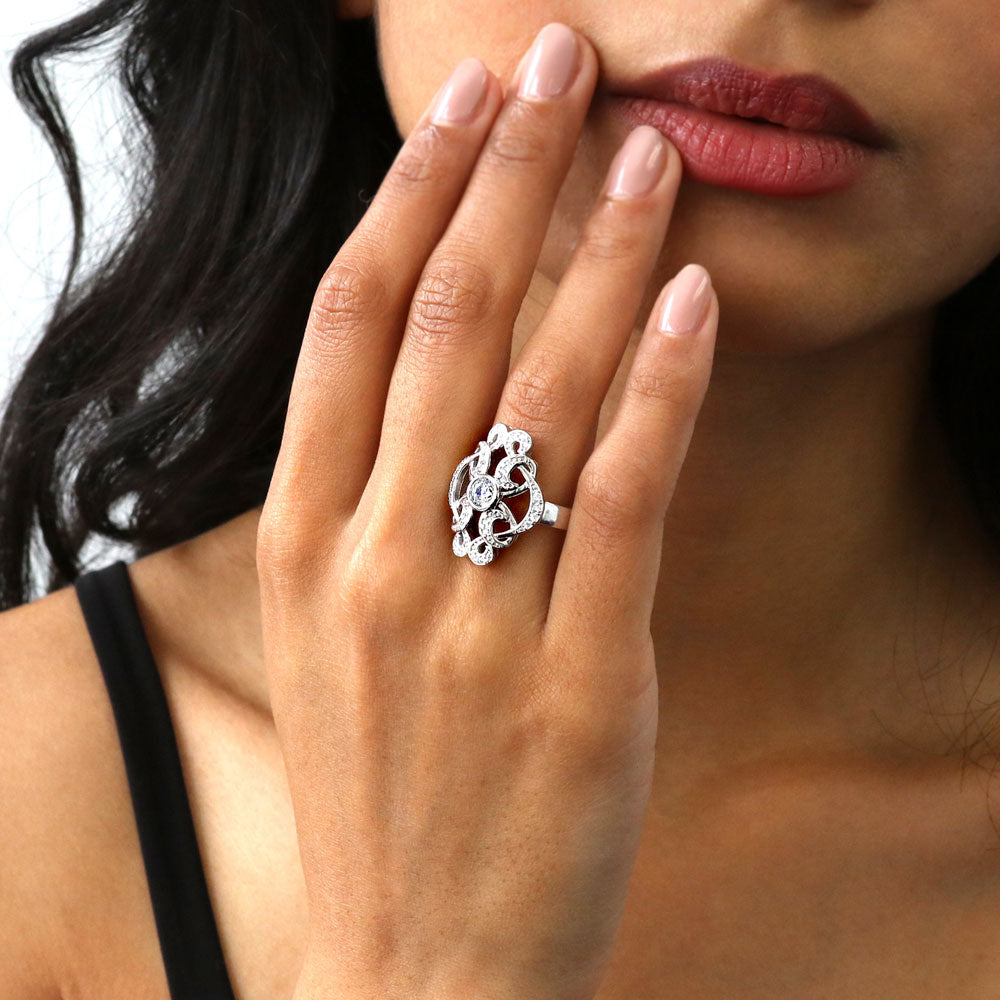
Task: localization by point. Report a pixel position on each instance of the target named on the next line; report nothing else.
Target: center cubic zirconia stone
(483, 491)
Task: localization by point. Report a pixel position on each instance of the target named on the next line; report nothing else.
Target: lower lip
(752, 156)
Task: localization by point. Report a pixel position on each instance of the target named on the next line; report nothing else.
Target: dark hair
(162, 377)
(161, 381)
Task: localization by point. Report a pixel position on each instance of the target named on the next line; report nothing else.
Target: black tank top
(185, 923)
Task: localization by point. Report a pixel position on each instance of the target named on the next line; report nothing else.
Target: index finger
(359, 309)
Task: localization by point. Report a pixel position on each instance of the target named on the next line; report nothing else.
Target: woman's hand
(470, 749)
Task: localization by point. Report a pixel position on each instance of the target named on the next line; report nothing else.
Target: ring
(474, 488)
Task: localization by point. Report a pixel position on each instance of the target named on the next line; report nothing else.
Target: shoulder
(67, 821)
(76, 917)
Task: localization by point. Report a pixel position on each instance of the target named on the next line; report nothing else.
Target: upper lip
(806, 102)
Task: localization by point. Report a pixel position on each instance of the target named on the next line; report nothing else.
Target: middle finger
(455, 351)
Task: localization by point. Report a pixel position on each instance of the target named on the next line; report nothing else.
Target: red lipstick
(736, 127)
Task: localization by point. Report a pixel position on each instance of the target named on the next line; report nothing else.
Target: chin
(784, 288)
(749, 325)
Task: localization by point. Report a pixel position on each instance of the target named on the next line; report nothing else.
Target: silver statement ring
(474, 489)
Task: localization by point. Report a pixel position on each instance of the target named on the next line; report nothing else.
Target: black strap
(189, 937)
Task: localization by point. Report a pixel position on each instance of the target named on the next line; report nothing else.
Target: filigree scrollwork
(474, 488)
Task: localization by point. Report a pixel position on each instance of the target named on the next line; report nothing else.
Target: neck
(804, 476)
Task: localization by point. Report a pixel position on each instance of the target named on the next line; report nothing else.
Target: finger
(456, 350)
(561, 376)
(610, 559)
(352, 337)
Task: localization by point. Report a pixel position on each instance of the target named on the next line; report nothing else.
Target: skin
(824, 619)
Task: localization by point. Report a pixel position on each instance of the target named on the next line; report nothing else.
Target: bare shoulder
(76, 918)
(70, 864)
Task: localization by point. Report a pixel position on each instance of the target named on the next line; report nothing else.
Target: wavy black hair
(161, 380)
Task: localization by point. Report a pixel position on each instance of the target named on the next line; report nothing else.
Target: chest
(794, 880)
(814, 882)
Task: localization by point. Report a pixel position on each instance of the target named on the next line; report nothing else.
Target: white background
(36, 224)
(36, 231)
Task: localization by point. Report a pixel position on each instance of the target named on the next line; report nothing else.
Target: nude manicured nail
(461, 95)
(638, 165)
(688, 296)
(551, 62)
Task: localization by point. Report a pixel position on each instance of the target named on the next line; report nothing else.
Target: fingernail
(459, 99)
(688, 295)
(551, 62)
(638, 165)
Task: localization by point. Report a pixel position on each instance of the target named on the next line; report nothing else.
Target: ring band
(474, 488)
(555, 516)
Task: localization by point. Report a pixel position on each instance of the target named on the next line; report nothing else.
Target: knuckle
(276, 538)
(454, 296)
(583, 709)
(377, 594)
(608, 501)
(657, 386)
(523, 141)
(576, 724)
(547, 721)
(286, 554)
(643, 487)
(347, 295)
(275, 553)
(609, 241)
(672, 380)
(538, 389)
(364, 597)
(419, 163)
(360, 594)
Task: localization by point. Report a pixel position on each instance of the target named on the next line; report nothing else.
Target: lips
(803, 102)
(790, 136)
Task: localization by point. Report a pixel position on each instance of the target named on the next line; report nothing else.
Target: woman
(724, 733)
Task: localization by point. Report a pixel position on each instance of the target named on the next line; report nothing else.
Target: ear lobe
(349, 10)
